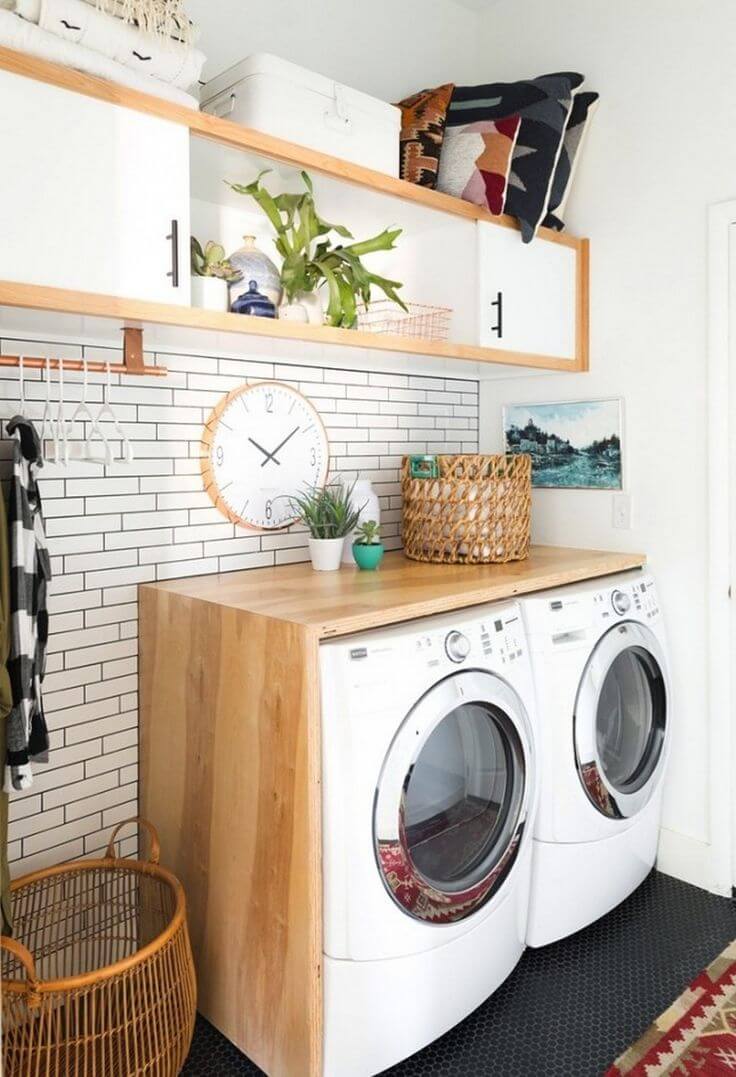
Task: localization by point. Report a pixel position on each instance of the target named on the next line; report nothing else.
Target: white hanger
(106, 412)
(63, 451)
(48, 420)
(83, 413)
(22, 388)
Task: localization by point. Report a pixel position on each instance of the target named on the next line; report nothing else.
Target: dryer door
(620, 721)
(453, 796)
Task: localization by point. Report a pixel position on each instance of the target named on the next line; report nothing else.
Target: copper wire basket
(425, 322)
(99, 980)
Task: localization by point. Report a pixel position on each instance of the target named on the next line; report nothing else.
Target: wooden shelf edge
(204, 125)
(138, 311)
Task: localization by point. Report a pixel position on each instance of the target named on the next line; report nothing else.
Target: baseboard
(691, 860)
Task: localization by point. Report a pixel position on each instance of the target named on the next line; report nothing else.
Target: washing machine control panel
(637, 600)
(500, 638)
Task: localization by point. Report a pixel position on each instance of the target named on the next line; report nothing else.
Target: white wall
(385, 48)
(660, 150)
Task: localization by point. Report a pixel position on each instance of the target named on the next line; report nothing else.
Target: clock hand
(266, 453)
(272, 455)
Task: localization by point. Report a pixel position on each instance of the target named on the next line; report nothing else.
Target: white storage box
(290, 102)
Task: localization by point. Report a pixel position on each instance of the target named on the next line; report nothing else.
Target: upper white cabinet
(94, 197)
(529, 294)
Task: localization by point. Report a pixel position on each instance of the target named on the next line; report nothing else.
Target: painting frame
(607, 461)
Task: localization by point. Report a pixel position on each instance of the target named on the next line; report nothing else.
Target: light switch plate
(622, 511)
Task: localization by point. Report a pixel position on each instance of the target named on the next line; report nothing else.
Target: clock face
(262, 444)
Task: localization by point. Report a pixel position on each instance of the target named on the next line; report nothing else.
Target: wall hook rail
(133, 362)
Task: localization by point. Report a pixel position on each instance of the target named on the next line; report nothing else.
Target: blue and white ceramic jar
(253, 264)
(253, 303)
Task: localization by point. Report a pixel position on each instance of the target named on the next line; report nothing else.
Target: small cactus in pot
(368, 549)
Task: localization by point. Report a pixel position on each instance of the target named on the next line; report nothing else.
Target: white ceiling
(476, 5)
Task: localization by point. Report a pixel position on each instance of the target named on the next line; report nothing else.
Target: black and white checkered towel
(30, 573)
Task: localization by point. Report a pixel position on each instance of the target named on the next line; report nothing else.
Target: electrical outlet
(622, 511)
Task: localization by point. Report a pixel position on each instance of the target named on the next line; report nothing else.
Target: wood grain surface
(230, 774)
(337, 603)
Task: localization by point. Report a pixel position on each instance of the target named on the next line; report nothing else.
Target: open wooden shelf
(139, 313)
(227, 133)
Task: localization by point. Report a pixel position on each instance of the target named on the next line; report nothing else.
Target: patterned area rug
(696, 1035)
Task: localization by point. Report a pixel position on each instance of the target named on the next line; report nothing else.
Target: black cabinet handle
(498, 304)
(173, 238)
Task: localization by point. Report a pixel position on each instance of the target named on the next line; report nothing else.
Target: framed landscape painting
(574, 445)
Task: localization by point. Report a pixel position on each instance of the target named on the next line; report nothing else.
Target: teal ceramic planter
(368, 558)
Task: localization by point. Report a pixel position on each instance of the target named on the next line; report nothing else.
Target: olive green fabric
(6, 702)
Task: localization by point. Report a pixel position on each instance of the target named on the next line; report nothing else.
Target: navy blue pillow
(544, 105)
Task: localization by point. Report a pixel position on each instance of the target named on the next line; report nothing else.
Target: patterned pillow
(543, 104)
(423, 117)
(476, 160)
(583, 107)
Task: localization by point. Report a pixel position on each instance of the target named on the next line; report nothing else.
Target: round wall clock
(262, 444)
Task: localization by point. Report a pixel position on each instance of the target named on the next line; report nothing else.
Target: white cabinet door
(88, 193)
(528, 293)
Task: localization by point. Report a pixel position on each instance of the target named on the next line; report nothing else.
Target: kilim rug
(696, 1035)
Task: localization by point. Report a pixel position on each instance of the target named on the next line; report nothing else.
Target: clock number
(313, 457)
(220, 454)
(269, 403)
(269, 510)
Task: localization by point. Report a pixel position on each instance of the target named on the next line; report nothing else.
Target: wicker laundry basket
(99, 979)
(477, 511)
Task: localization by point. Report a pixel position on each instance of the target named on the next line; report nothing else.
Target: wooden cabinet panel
(88, 192)
(230, 765)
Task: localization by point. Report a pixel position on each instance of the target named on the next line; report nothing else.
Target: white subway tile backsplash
(111, 528)
(107, 689)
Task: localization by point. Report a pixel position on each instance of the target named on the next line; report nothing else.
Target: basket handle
(23, 956)
(152, 832)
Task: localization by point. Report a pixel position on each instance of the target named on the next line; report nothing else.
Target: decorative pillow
(543, 104)
(423, 117)
(476, 160)
(583, 107)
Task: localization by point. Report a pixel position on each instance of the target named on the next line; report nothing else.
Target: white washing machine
(429, 791)
(600, 665)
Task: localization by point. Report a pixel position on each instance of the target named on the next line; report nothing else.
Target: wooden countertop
(338, 603)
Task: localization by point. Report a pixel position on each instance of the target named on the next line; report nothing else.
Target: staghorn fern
(310, 258)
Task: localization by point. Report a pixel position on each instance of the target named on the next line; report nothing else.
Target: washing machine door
(453, 797)
(620, 721)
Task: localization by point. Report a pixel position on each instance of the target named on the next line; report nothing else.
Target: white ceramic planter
(326, 554)
(210, 293)
(306, 307)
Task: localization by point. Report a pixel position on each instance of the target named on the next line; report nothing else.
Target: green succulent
(368, 534)
(211, 262)
(310, 258)
(327, 511)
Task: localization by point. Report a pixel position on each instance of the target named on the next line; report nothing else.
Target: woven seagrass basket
(99, 978)
(478, 511)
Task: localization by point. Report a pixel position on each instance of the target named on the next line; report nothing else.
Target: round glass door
(452, 798)
(621, 721)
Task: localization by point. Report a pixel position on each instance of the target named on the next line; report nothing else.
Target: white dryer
(429, 791)
(601, 672)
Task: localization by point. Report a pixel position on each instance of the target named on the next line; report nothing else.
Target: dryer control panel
(636, 600)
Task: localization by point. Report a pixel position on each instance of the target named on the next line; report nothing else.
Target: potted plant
(368, 549)
(311, 258)
(329, 515)
(212, 275)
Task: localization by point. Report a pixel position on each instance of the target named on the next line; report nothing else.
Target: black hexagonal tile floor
(567, 1010)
